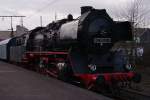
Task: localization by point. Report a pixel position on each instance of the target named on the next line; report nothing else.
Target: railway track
(131, 95)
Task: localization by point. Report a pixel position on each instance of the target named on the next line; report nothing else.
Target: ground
(144, 86)
(17, 83)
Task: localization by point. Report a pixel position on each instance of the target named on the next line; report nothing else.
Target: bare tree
(136, 12)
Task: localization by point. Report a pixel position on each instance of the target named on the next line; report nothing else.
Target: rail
(132, 95)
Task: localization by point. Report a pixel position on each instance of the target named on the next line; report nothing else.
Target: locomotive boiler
(94, 31)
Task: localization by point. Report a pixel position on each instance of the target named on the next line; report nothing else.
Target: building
(7, 34)
(145, 43)
(145, 37)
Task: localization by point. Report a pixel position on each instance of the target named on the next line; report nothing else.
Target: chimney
(85, 9)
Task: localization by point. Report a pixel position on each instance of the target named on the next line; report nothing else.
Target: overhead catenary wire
(28, 18)
(49, 3)
(43, 8)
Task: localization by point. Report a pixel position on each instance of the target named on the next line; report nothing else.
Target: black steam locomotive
(94, 31)
(77, 49)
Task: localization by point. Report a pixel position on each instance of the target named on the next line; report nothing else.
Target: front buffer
(97, 76)
(107, 80)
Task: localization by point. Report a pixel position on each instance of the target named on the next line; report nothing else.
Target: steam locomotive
(74, 50)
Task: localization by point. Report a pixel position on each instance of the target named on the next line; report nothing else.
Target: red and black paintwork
(88, 80)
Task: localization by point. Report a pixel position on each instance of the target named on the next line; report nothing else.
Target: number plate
(102, 40)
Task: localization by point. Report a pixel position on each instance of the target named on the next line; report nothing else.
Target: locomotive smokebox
(85, 9)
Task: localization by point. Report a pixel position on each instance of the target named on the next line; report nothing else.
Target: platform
(17, 83)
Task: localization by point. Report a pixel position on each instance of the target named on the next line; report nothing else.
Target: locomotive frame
(62, 66)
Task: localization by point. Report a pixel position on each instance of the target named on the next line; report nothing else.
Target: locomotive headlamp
(128, 66)
(92, 67)
(60, 65)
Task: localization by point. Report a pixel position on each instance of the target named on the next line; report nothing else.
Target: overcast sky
(33, 9)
